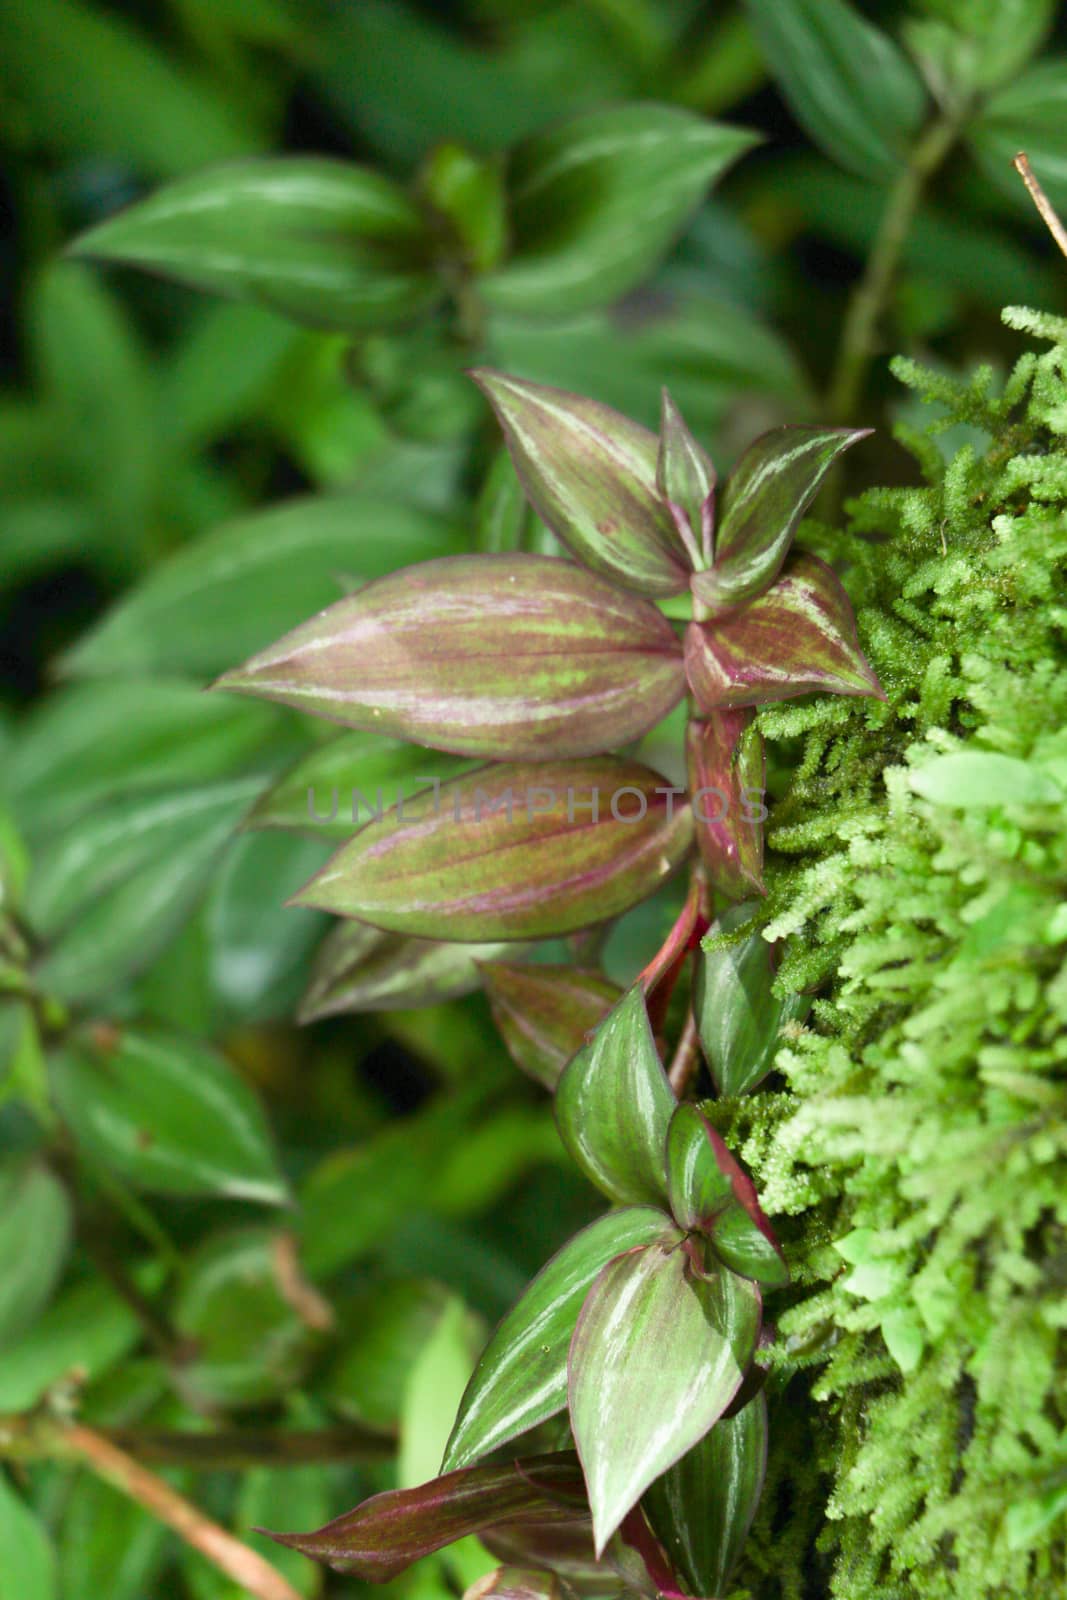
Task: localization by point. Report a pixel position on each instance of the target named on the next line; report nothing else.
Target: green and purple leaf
(358, 968)
(512, 657)
(711, 1194)
(521, 1377)
(797, 638)
(658, 1354)
(512, 851)
(565, 1548)
(765, 497)
(727, 773)
(383, 1536)
(702, 1508)
(614, 1104)
(545, 1013)
(518, 1583)
(737, 1012)
(590, 474)
(685, 477)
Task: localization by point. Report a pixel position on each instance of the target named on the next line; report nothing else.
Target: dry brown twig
(1046, 209)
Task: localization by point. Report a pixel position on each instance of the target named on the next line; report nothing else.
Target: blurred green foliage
(184, 477)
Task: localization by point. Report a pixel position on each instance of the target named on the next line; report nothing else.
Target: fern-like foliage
(920, 1138)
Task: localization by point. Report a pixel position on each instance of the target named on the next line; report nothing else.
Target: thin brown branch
(1046, 209)
(247, 1569)
(37, 1437)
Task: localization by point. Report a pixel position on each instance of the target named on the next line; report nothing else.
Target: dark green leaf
(658, 1354)
(27, 1563)
(326, 243)
(576, 190)
(1026, 114)
(387, 1533)
(847, 82)
(544, 1013)
(711, 1194)
(590, 474)
(35, 1229)
(614, 1103)
(766, 495)
(510, 657)
(383, 1328)
(108, 1544)
(702, 1507)
(511, 852)
(87, 1330)
(741, 1020)
(231, 591)
(521, 1378)
(167, 1114)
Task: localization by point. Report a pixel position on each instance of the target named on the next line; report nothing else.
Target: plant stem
(686, 1057)
(1047, 210)
(869, 299)
(34, 1438)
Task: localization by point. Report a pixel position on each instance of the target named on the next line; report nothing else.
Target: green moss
(920, 1141)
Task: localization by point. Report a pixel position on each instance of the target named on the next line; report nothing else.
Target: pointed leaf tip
(711, 1193)
(590, 474)
(685, 476)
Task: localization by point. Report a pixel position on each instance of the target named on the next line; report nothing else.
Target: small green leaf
(251, 1345)
(658, 1354)
(382, 1331)
(766, 495)
(467, 192)
(35, 1231)
(685, 475)
(326, 243)
(613, 1105)
(727, 775)
(167, 1114)
(710, 1193)
(521, 1377)
(849, 85)
(976, 780)
(363, 969)
(500, 656)
(1031, 1516)
(703, 1506)
(576, 189)
(514, 851)
(27, 1562)
(545, 1013)
(231, 591)
(799, 637)
(741, 1020)
(383, 1536)
(590, 474)
(87, 1330)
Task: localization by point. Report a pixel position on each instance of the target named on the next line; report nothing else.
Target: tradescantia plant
(643, 1329)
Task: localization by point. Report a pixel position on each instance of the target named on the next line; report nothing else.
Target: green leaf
(1026, 114)
(167, 1114)
(383, 1328)
(576, 189)
(614, 1103)
(467, 193)
(741, 1020)
(521, 1378)
(797, 638)
(35, 1231)
(511, 852)
(434, 1388)
(87, 1330)
(590, 474)
(711, 1194)
(726, 767)
(658, 1354)
(848, 84)
(108, 1544)
(251, 1345)
(544, 1013)
(27, 1563)
(228, 593)
(326, 243)
(766, 495)
(362, 969)
(84, 744)
(1029, 1517)
(502, 656)
(116, 887)
(685, 475)
(703, 1506)
(976, 780)
(384, 1535)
